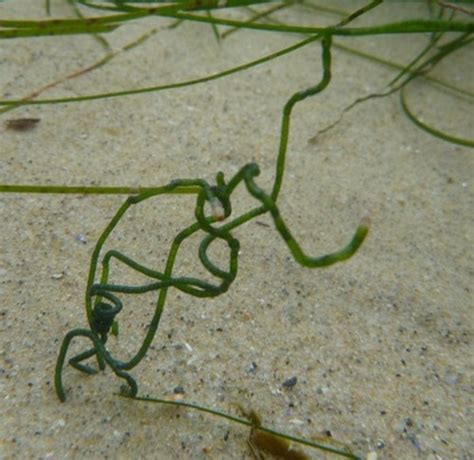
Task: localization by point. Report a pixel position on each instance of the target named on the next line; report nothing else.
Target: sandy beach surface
(380, 345)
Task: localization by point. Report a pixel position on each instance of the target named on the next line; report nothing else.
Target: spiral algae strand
(103, 296)
(103, 302)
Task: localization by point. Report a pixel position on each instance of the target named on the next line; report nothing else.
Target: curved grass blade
(88, 190)
(17, 103)
(429, 129)
(302, 441)
(101, 62)
(248, 65)
(24, 32)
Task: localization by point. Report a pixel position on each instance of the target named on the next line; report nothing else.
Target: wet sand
(380, 345)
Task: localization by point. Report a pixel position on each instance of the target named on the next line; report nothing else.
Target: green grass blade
(429, 129)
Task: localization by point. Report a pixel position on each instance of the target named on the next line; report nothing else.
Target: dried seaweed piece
(22, 124)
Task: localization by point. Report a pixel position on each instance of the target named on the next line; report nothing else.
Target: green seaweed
(126, 11)
(101, 315)
(279, 442)
(102, 298)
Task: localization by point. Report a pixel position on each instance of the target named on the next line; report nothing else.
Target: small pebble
(179, 390)
(81, 239)
(296, 421)
(252, 368)
(290, 383)
(57, 426)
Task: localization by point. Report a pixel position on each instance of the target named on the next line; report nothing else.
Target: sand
(381, 345)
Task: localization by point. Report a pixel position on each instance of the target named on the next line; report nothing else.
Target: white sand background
(381, 345)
